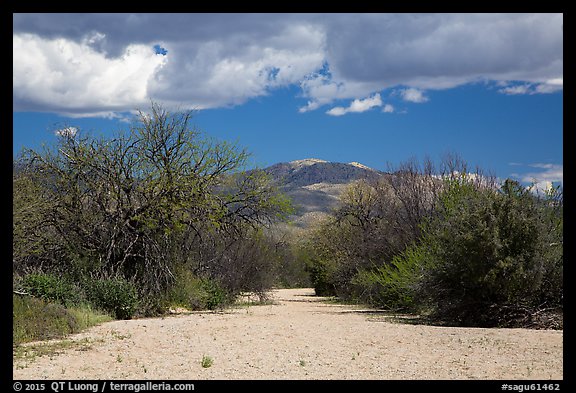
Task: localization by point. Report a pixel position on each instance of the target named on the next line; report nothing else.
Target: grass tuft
(207, 361)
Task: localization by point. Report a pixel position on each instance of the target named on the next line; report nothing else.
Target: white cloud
(94, 64)
(225, 73)
(365, 104)
(514, 90)
(549, 86)
(540, 187)
(541, 177)
(72, 77)
(552, 172)
(413, 95)
(337, 111)
(547, 176)
(357, 106)
(388, 108)
(310, 106)
(67, 132)
(322, 90)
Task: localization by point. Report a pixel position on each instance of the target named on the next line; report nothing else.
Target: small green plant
(207, 361)
(302, 363)
(118, 336)
(119, 358)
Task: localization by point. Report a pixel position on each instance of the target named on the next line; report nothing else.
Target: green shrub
(484, 259)
(86, 316)
(116, 296)
(394, 286)
(35, 319)
(321, 277)
(51, 288)
(196, 293)
(486, 252)
(216, 296)
(151, 304)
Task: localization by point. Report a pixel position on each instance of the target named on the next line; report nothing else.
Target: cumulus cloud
(549, 86)
(70, 77)
(87, 64)
(413, 95)
(545, 172)
(310, 106)
(337, 111)
(73, 76)
(438, 50)
(388, 108)
(322, 89)
(542, 176)
(229, 73)
(357, 106)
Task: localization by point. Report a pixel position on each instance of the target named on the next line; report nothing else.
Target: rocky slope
(315, 185)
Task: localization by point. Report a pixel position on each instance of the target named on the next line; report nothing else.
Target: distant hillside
(315, 185)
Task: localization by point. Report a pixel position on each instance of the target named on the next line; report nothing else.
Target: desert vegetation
(450, 244)
(154, 216)
(161, 216)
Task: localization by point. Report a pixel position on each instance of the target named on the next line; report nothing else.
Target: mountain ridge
(315, 185)
(312, 171)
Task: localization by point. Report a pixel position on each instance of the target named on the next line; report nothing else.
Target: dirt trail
(298, 337)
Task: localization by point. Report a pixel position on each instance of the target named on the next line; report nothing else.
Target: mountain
(315, 185)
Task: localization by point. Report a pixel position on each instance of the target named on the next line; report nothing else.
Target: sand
(299, 336)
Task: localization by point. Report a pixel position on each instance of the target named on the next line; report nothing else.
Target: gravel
(299, 336)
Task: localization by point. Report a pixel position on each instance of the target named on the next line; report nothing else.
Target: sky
(379, 89)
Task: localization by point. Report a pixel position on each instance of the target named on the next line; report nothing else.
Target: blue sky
(378, 89)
